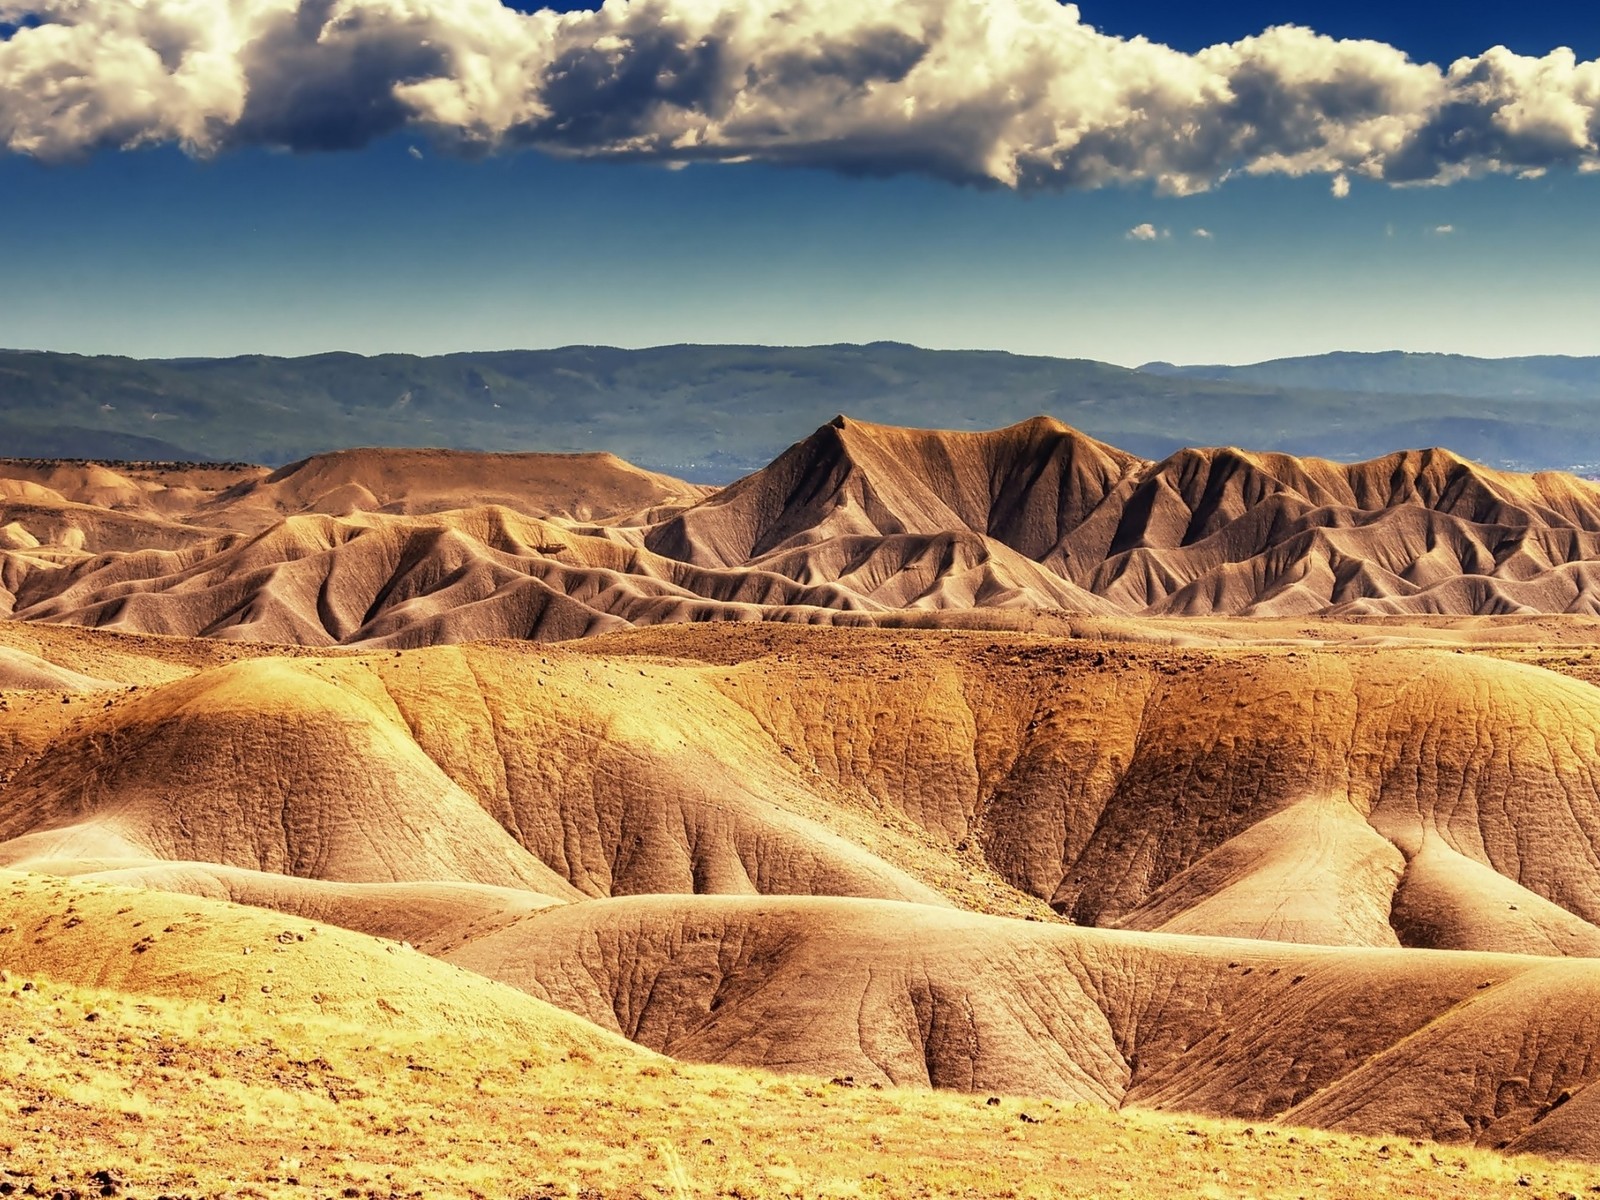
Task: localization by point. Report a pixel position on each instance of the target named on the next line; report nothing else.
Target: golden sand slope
(858, 524)
(800, 817)
(373, 1071)
(1358, 796)
(519, 770)
(1455, 1047)
(269, 965)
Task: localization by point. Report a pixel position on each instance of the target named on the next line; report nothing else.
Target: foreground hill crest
(857, 524)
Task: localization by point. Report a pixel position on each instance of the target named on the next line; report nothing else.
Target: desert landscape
(799, 600)
(858, 524)
(923, 814)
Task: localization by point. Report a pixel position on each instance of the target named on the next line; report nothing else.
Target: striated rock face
(859, 524)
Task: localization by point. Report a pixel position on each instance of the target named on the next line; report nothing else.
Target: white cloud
(1018, 93)
(1341, 186)
(414, 152)
(1204, 234)
(1444, 230)
(1145, 233)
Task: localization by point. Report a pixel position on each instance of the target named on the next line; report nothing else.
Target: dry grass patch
(170, 1097)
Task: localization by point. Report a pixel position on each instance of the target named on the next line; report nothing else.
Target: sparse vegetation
(163, 1097)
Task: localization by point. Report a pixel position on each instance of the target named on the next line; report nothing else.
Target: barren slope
(1453, 1047)
(1271, 793)
(368, 1069)
(858, 524)
(369, 580)
(753, 845)
(199, 551)
(1350, 885)
(1204, 531)
(1362, 796)
(551, 776)
(144, 943)
(582, 487)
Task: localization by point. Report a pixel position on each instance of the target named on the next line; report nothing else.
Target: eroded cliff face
(858, 524)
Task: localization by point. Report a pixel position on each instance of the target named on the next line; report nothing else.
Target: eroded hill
(815, 782)
(369, 1070)
(857, 525)
(1218, 879)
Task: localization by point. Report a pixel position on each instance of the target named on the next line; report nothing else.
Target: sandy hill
(374, 580)
(1261, 792)
(1356, 1040)
(242, 553)
(560, 777)
(858, 524)
(1224, 531)
(1026, 487)
(162, 487)
(80, 933)
(809, 849)
(581, 487)
(811, 785)
(578, 486)
(135, 1028)
(1204, 531)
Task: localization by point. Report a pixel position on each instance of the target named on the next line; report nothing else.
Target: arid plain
(926, 814)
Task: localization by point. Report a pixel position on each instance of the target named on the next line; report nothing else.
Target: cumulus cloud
(1444, 230)
(1016, 93)
(1143, 233)
(1341, 186)
(1203, 234)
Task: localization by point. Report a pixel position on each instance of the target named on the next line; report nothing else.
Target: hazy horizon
(1388, 351)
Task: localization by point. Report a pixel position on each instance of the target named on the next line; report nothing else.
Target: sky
(1133, 181)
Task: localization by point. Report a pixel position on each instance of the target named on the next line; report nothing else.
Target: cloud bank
(1016, 93)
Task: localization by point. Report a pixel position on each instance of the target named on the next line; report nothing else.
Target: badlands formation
(857, 525)
(926, 820)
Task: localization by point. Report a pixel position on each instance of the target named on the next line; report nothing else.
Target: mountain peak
(855, 520)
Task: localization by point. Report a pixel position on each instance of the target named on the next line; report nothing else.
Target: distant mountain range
(712, 413)
(1545, 377)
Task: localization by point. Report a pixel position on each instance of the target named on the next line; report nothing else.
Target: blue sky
(403, 244)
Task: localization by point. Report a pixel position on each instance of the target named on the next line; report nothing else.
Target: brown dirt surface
(1031, 528)
(725, 824)
(137, 1031)
(865, 775)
